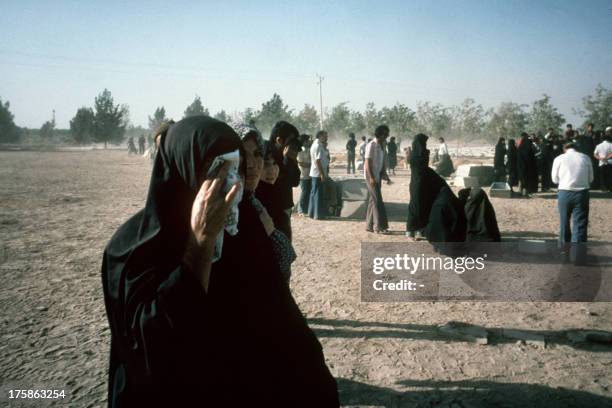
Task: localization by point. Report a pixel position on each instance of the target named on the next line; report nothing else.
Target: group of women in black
(527, 163)
(187, 331)
(437, 214)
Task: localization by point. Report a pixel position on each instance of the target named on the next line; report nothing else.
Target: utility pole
(54, 116)
(321, 100)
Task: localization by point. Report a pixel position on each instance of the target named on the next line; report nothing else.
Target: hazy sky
(60, 55)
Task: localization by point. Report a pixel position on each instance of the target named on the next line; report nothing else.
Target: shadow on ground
(369, 330)
(465, 394)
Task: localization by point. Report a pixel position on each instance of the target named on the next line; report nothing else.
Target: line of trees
(107, 122)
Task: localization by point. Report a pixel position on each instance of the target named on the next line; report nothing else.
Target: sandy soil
(59, 209)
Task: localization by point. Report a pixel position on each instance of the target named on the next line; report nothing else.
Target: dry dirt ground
(58, 210)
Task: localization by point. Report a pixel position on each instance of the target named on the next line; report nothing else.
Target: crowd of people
(527, 163)
(196, 284)
(573, 163)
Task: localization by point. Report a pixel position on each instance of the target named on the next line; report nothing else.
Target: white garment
(318, 152)
(362, 147)
(374, 152)
(303, 157)
(442, 150)
(573, 171)
(603, 150)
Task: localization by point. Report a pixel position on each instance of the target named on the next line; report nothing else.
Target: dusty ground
(59, 209)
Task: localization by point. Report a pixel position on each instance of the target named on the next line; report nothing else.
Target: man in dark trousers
(350, 153)
(286, 141)
(141, 144)
(374, 173)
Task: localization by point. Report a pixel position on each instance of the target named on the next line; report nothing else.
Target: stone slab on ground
(500, 190)
(465, 182)
(484, 174)
(354, 189)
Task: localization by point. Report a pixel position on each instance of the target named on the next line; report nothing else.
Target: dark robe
(276, 359)
(158, 312)
(547, 162)
(166, 346)
(424, 185)
(288, 178)
(512, 164)
(445, 166)
(267, 194)
(392, 154)
(527, 166)
(447, 221)
(480, 214)
(499, 167)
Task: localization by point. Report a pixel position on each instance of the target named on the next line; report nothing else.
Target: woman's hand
(208, 213)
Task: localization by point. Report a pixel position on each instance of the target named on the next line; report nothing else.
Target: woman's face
(254, 164)
(270, 171)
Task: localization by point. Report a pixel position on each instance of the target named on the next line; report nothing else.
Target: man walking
(350, 153)
(141, 145)
(374, 172)
(573, 172)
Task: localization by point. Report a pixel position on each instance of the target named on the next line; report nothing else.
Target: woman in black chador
(425, 185)
(499, 166)
(527, 166)
(189, 332)
(480, 216)
(512, 165)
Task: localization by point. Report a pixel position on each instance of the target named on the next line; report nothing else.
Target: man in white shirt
(573, 172)
(374, 171)
(361, 148)
(319, 169)
(603, 153)
(303, 159)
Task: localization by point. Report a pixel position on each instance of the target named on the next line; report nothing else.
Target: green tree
(597, 108)
(508, 121)
(9, 132)
(544, 115)
(82, 125)
(159, 117)
(433, 119)
(223, 116)
(196, 108)
(469, 119)
(372, 118)
(400, 119)
(338, 122)
(249, 116)
(271, 112)
(358, 123)
(48, 129)
(307, 121)
(110, 120)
